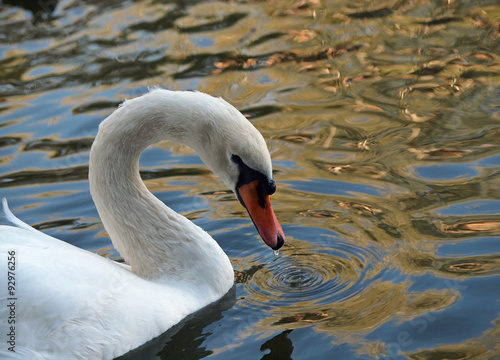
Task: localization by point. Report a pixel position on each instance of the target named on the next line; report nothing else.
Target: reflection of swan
(69, 303)
(281, 347)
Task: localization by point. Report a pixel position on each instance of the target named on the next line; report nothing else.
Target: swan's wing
(67, 300)
(8, 218)
(14, 233)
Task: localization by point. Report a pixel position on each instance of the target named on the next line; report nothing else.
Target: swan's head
(235, 151)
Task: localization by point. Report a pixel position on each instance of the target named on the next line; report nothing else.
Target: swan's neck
(157, 242)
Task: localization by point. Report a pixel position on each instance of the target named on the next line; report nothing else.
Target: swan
(68, 303)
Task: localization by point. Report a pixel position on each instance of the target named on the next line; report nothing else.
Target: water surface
(383, 121)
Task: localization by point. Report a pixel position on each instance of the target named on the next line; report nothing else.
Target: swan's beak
(258, 205)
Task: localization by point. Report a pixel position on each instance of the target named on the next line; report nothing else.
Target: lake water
(383, 121)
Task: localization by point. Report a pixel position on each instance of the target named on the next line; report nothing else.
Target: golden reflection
(449, 352)
(301, 35)
(320, 214)
(437, 153)
(310, 317)
(480, 265)
(468, 267)
(299, 138)
(365, 170)
(372, 307)
(360, 208)
(302, 7)
(56, 193)
(472, 227)
(5, 160)
(431, 300)
(42, 71)
(233, 63)
(105, 251)
(361, 106)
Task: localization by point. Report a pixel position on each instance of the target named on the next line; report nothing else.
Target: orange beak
(258, 205)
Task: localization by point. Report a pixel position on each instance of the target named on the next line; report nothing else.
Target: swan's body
(73, 304)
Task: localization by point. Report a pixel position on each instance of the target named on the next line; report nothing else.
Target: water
(383, 121)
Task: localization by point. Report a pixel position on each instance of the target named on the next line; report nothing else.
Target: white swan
(68, 303)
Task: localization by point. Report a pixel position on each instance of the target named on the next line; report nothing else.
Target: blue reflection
(324, 186)
(445, 171)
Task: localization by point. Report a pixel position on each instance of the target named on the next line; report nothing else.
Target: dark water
(383, 121)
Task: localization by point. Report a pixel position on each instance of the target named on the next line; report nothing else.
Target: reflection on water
(383, 122)
(299, 285)
(280, 347)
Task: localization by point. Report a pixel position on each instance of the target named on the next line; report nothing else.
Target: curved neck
(157, 242)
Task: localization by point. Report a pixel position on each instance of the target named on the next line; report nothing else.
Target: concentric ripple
(308, 277)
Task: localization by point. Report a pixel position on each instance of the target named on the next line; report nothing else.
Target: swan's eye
(236, 159)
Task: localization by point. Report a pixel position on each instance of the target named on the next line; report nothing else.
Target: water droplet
(276, 252)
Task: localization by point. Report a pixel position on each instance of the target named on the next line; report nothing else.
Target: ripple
(309, 278)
